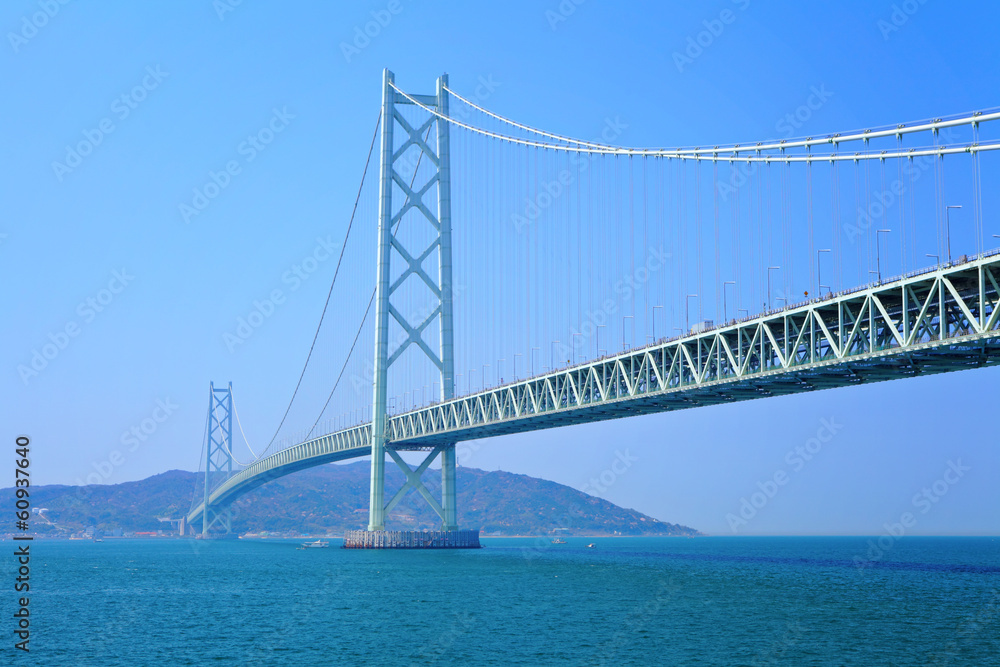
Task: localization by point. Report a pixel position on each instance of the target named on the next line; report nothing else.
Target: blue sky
(199, 77)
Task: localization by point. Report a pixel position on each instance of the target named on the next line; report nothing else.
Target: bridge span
(944, 319)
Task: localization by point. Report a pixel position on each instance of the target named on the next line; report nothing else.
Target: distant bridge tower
(218, 458)
(390, 214)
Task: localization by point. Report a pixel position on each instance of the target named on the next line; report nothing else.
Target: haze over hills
(332, 498)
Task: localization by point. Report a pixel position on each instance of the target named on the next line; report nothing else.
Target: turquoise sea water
(663, 601)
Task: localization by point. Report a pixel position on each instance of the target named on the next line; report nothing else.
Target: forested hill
(332, 498)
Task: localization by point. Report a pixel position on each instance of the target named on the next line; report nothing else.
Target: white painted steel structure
(941, 320)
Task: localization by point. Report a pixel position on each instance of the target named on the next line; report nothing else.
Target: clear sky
(168, 92)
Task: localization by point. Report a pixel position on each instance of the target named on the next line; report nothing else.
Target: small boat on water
(318, 544)
(558, 541)
(591, 545)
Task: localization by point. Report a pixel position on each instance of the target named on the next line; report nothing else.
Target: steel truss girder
(948, 319)
(918, 323)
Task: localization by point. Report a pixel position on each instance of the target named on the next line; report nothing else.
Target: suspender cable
(977, 184)
(646, 287)
(336, 272)
(698, 251)
(858, 221)
(902, 207)
(809, 223)
(719, 315)
(344, 367)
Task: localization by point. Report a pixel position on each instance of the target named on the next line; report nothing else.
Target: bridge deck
(936, 321)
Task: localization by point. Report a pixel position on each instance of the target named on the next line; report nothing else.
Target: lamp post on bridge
(878, 253)
(687, 309)
(769, 269)
(819, 270)
(627, 317)
(516, 355)
(947, 213)
(725, 308)
(552, 353)
(937, 259)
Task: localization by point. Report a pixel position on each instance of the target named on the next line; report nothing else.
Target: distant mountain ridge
(333, 498)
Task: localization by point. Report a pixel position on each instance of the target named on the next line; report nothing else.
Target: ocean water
(627, 601)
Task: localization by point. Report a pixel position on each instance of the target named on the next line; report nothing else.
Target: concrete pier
(411, 539)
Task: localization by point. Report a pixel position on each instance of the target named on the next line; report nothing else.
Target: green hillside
(333, 498)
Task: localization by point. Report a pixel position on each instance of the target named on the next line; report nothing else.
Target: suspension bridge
(526, 280)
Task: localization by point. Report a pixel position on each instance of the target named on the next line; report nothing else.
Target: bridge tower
(390, 251)
(218, 458)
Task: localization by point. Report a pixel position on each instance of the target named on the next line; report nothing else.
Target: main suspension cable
(732, 151)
